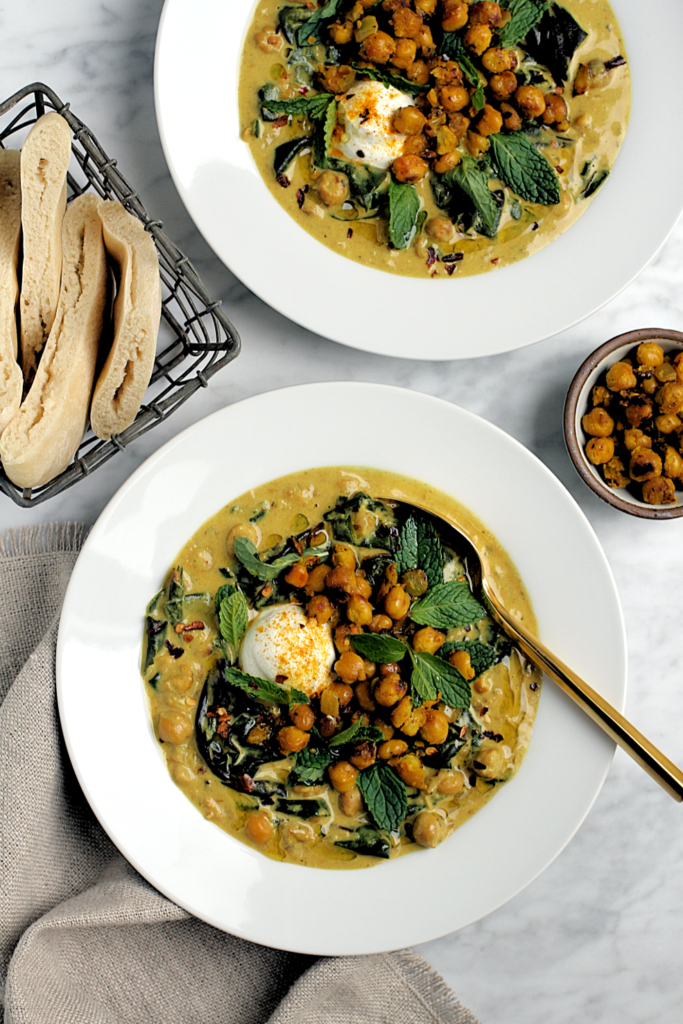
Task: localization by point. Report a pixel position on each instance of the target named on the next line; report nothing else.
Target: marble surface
(598, 936)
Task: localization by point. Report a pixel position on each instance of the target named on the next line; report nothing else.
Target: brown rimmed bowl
(576, 405)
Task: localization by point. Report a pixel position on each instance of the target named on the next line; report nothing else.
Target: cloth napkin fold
(83, 938)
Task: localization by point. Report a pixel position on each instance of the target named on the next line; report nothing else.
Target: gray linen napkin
(83, 938)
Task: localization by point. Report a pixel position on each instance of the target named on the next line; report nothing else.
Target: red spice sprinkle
(267, 591)
(450, 267)
(534, 226)
(434, 273)
(280, 678)
(303, 90)
(283, 180)
(560, 170)
(496, 259)
(300, 196)
(349, 233)
(463, 731)
(431, 256)
(194, 625)
(281, 121)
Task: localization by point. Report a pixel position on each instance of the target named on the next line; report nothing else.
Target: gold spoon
(601, 711)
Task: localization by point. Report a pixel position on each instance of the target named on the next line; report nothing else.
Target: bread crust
(43, 437)
(44, 162)
(128, 367)
(11, 377)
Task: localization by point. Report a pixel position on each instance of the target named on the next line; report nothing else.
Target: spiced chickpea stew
(324, 683)
(434, 137)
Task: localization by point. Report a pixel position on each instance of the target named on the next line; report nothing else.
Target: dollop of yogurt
(367, 134)
(282, 644)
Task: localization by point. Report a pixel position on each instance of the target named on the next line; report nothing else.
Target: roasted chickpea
(351, 802)
(411, 770)
(259, 734)
(638, 410)
(302, 716)
(477, 144)
(598, 423)
(450, 782)
(406, 23)
(530, 100)
(363, 696)
(380, 622)
(363, 587)
(174, 726)
(496, 60)
(344, 555)
(428, 640)
(601, 395)
(384, 727)
(666, 372)
(409, 168)
(350, 667)
(447, 162)
(644, 465)
(392, 748)
(297, 575)
(320, 608)
(418, 72)
(341, 637)
(388, 668)
(332, 188)
(668, 424)
(634, 438)
(269, 40)
(248, 530)
(397, 602)
(426, 6)
(259, 828)
(454, 15)
(425, 41)
(555, 109)
(359, 610)
(670, 398)
(458, 124)
(503, 85)
(429, 829)
(673, 463)
(615, 473)
(443, 230)
(291, 740)
(316, 579)
(407, 718)
(409, 121)
(364, 754)
(338, 79)
(341, 33)
(650, 354)
(341, 582)
(414, 145)
(378, 48)
(342, 776)
(390, 690)
(511, 118)
(342, 692)
(490, 763)
(620, 377)
(454, 98)
(435, 728)
(404, 55)
(678, 366)
(600, 450)
(659, 491)
(478, 38)
(490, 122)
(462, 661)
(486, 13)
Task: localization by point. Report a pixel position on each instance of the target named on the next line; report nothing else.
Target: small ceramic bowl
(577, 404)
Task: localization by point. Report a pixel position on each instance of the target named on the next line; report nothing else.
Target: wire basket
(195, 338)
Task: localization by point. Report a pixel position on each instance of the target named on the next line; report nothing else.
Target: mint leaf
(404, 206)
(525, 14)
(357, 733)
(406, 552)
(309, 767)
(312, 28)
(298, 696)
(388, 79)
(471, 177)
(233, 617)
(424, 679)
(385, 796)
(259, 689)
(246, 553)
(378, 648)
(291, 19)
(523, 169)
(313, 106)
(482, 657)
(225, 590)
(430, 556)
(452, 46)
(448, 605)
(323, 135)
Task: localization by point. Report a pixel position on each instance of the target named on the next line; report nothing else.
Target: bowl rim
(572, 442)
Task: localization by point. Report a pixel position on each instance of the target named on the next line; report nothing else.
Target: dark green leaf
(291, 20)
(430, 557)
(233, 617)
(385, 796)
(298, 696)
(357, 733)
(173, 608)
(309, 767)
(311, 29)
(448, 605)
(378, 648)
(259, 689)
(523, 169)
(525, 14)
(152, 606)
(482, 656)
(303, 808)
(404, 207)
(406, 551)
(246, 553)
(455, 690)
(267, 93)
(554, 41)
(225, 590)
(284, 155)
(313, 106)
(323, 135)
(156, 633)
(594, 184)
(471, 177)
(387, 78)
(369, 842)
(424, 680)
(362, 521)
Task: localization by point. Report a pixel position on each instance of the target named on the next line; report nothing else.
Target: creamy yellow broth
(504, 698)
(598, 120)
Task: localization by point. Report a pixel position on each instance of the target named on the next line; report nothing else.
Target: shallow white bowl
(197, 58)
(103, 706)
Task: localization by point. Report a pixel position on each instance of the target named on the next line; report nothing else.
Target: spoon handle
(601, 711)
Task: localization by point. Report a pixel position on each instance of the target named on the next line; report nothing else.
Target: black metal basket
(195, 338)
